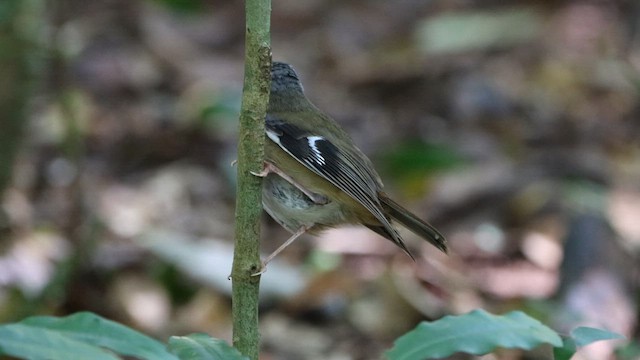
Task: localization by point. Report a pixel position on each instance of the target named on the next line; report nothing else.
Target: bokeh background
(511, 126)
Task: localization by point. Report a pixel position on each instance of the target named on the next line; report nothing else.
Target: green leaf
(85, 331)
(584, 336)
(581, 336)
(203, 347)
(477, 332)
(27, 342)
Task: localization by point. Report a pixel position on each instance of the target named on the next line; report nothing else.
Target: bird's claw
(262, 270)
(262, 173)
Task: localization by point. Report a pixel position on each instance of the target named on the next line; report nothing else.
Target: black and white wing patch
(312, 150)
(338, 166)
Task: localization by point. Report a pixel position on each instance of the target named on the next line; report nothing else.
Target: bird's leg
(270, 168)
(291, 239)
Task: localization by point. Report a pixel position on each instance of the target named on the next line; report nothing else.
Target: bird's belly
(292, 209)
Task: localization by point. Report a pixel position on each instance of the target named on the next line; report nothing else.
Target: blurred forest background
(514, 127)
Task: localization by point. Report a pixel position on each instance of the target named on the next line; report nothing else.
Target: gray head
(283, 77)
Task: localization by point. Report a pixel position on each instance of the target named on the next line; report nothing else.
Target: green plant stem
(255, 99)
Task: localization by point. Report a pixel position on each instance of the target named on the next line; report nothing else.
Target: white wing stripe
(274, 136)
(317, 154)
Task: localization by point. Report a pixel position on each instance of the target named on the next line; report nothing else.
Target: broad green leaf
(28, 342)
(477, 332)
(584, 336)
(93, 330)
(203, 347)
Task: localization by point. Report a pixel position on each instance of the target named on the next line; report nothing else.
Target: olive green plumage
(318, 178)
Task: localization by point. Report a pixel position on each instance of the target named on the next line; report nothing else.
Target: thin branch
(255, 99)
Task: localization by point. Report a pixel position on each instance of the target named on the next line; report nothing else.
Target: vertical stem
(255, 99)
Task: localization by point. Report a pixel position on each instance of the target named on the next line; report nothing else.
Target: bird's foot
(262, 270)
(269, 168)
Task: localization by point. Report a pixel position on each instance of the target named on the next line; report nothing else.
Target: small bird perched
(316, 178)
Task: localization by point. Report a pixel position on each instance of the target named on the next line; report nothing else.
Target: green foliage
(418, 157)
(7, 11)
(203, 347)
(581, 336)
(29, 342)
(88, 336)
(80, 336)
(479, 332)
(183, 6)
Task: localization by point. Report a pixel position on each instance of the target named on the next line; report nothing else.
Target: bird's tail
(413, 223)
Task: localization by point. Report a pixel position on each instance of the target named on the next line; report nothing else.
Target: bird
(316, 178)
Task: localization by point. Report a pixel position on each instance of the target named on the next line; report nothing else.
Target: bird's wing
(347, 169)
